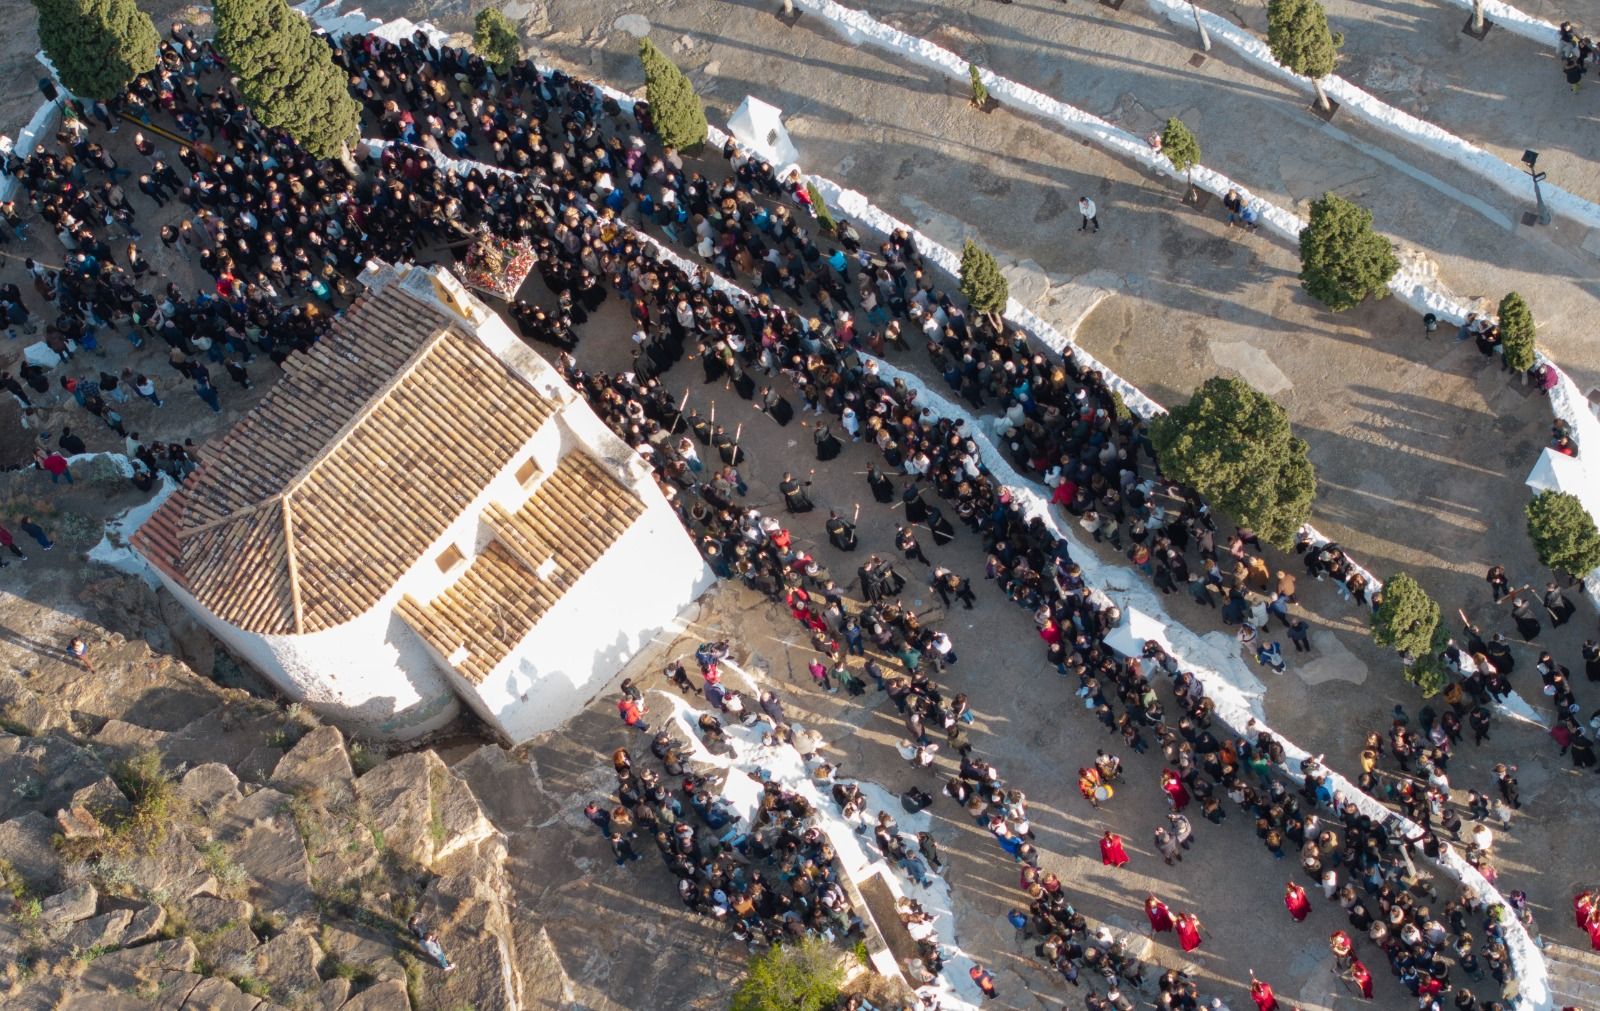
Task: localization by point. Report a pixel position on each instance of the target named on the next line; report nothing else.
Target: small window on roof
(527, 472)
(450, 558)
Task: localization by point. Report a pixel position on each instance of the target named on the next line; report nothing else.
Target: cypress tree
(97, 46)
(982, 283)
(1563, 533)
(1181, 147)
(1342, 260)
(980, 93)
(1406, 617)
(1298, 35)
(675, 109)
(287, 75)
(1516, 332)
(1234, 445)
(494, 39)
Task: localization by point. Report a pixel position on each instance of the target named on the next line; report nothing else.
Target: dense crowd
(281, 235)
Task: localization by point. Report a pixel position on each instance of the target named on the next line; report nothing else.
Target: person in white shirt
(1090, 214)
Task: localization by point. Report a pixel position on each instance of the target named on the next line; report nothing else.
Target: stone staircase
(1574, 976)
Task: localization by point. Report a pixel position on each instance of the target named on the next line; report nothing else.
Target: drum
(1102, 792)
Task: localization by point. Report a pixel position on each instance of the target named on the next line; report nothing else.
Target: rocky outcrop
(256, 872)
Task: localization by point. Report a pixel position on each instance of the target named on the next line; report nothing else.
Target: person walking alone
(1091, 214)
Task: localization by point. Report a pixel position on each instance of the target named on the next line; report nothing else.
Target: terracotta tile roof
(370, 445)
(571, 519)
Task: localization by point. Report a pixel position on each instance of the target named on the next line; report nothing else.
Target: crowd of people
(281, 235)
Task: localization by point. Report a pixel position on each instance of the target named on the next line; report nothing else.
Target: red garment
(55, 463)
(1294, 899)
(1050, 633)
(1111, 852)
(1188, 929)
(1262, 994)
(629, 711)
(1362, 976)
(1583, 909)
(1594, 933)
(1177, 794)
(1160, 916)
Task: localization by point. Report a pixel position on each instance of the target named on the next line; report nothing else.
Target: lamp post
(1531, 158)
(1205, 38)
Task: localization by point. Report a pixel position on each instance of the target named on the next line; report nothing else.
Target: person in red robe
(1362, 977)
(1594, 932)
(1339, 943)
(1188, 927)
(1111, 852)
(1583, 908)
(1294, 899)
(1261, 993)
(1177, 794)
(1160, 916)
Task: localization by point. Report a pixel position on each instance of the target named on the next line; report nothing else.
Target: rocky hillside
(171, 843)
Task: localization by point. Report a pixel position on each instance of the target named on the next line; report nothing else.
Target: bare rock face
(143, 926)
(129, 968)
(317, 761)
(25, 841)
(61, 910)
(384, 996)
(103, 931)
(209, 787)
(277, 872)
(424, 812)
(286, 963)
(78, 823)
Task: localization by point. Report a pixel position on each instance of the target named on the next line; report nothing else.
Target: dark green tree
(982, 283)
(803, 976)
(1342, 260)
(1406, 618)
(1516, 332)
(97, 46)
(1181, 147)
(819, 207)
(1233, 445)
(1298, 35)
(1563, 533)
(980, 94)
(496, 40)
(287, 75)
(674, 107)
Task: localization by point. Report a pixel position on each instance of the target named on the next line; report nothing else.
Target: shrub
(804, 976)
(980, 94)
(151, 798)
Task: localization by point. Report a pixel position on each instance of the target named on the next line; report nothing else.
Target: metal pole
(1538, 196)
(1205, 39)
(1477, 17)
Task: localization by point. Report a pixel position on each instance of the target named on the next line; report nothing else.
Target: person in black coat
(881, 485)
(828, 444)
(841, 532)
